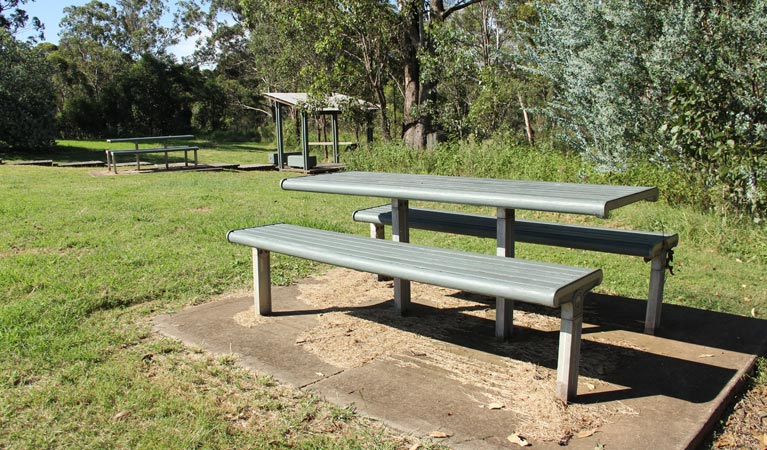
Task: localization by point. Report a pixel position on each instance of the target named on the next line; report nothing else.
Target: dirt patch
(357, 326)
(746, 426)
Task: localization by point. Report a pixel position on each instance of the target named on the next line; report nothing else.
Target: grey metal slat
(281, 240)
(446, 260)
(558, 197)
(629, 242)
(431, 256)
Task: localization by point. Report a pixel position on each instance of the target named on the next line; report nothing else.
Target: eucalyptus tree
(318, 46)
(131, 27)
(417, 17)
(14, 19)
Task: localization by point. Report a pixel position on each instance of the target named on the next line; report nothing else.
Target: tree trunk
(528, 127)
(413, 125)
(385, 127)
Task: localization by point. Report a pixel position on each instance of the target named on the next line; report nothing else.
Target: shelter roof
(333, 103)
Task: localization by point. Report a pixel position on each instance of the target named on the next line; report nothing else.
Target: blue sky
(50, 13)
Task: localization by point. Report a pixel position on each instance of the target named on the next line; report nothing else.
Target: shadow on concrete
(694, 381)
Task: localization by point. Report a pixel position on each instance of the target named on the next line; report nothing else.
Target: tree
(416, 16)
(674, 82)
(131, 27)
(17, 19)
(26, 93)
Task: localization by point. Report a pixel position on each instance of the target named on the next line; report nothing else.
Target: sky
(50, 13)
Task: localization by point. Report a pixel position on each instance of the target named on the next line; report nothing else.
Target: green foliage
(675, 83)
(26, 95)
(717, 122)
(131, 27)
(14, 19)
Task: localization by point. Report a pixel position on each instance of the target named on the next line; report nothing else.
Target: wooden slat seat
(547, 284)
(655, 247)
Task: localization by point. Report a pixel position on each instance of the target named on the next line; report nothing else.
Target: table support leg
(262, 283)
(655, 297)
(568, 361)
(400, 233)
(504, 307)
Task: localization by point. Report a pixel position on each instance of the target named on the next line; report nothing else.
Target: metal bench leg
(262, 283)
(400, 232)
(655, 297)
(504, 318)
(570, 348)
(504, 308)
(377, 232)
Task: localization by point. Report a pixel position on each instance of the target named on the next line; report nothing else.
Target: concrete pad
(674, 385)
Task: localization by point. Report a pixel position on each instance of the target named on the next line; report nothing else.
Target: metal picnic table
(504, 195)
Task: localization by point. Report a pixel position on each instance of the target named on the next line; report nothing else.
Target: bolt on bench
(546, 284)
(110, 154)
(655, 247)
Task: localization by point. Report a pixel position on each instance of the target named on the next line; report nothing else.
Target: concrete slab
(668, 390)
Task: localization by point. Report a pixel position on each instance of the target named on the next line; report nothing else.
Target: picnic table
(505, 195)
(110, 154)
(501, 276)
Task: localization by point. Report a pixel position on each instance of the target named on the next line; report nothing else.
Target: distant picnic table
(164, 140)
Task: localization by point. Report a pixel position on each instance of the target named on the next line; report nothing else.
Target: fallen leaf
(585, 433)
(518, 439)
(439, 435)
(495, 406)
(319, 374)
(738, 260)
(121, 415)
(746, 299)
(591, 386)
(762, 438)
(706, 355)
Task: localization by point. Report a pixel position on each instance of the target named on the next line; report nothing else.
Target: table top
(574, 198)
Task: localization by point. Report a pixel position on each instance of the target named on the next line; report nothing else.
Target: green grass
(86, 261)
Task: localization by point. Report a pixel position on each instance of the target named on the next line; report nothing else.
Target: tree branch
(457, 7)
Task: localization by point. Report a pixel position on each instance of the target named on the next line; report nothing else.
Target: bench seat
(655, 247)
(547, 284)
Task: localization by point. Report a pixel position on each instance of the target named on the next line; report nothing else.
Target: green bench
(655, 247)
(552, 285)
(110, 154)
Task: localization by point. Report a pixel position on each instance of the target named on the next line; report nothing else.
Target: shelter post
(280, 150)
(335, 136)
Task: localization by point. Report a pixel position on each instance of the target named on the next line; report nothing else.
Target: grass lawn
(86, 261)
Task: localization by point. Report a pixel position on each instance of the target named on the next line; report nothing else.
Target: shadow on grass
(64, 154)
